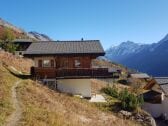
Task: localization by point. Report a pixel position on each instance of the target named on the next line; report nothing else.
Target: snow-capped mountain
(124, 50)
(150, 58)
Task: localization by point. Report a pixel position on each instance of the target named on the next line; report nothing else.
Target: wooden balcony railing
(71, 72)
(79, 72)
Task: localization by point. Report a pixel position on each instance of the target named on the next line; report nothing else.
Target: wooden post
(56, 84)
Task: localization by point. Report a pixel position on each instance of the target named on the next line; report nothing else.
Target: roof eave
(61, 54)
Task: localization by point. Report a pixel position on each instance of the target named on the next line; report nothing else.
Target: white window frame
(77, 63)
(49, 63)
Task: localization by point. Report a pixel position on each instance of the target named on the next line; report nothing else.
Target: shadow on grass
(116, 107)
(21, 76)
(109, 106)
(18, 75)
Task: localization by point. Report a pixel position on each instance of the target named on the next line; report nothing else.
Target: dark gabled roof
(140, 75)
(163, 83)
(22, 41)
(65, 47)
(164, 88)
(161, 80)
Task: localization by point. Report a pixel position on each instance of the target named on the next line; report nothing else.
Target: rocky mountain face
(20, 33)
(149, 58)
(38, 36)
(124, 50)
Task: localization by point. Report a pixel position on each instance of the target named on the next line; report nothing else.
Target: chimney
(81, 39)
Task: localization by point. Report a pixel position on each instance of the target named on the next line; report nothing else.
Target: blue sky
(111, 21)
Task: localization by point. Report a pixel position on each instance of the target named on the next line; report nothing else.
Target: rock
(137, 116)
(145, 118)
(153, 122)
(148, 118)
(132, 118)
(125, 113)
(140, 120)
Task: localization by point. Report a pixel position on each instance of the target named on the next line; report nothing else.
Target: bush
(130, 101)
(9, 47)
(6, 41)
(112, 91)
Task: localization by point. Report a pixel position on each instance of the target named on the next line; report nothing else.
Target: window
(64, 63)
(39, 63)
(46, 63)
(77, 63)
(52, 63)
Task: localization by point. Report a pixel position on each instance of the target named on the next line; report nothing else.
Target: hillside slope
(41, 106)
(19, 63)
(6, 83)
(56, 108)
(20, 33)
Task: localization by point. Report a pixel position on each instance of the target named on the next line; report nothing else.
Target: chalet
(156, 97)
(67, 64)
(22, 45)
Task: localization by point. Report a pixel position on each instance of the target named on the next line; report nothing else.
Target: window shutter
(52, 63)
(39, 63)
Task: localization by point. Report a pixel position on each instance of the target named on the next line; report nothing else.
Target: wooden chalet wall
(67, 61)
(64, 66)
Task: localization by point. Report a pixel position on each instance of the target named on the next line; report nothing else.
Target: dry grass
(19, 63)
(137, 85)
(97, 85)
(43, 106)
(6, 82)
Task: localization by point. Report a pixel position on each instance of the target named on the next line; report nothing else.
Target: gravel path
(16, 115)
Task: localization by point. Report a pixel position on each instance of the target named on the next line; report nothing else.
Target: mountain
(149, 58)
(11, 26)
(20, 33)
(124, 50)
(39, 36)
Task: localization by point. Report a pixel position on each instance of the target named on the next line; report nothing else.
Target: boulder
(126, 113)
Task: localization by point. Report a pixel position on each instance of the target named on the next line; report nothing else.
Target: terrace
(67, 73)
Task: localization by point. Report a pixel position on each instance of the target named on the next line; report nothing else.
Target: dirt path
(16, 115)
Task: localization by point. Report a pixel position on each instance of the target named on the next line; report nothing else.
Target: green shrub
(130, 101)
(6, 41)
(112, 91)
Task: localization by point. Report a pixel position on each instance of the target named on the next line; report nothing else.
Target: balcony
(72, 73)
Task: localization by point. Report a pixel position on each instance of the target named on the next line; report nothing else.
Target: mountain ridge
(149, 58)
(20, 33)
